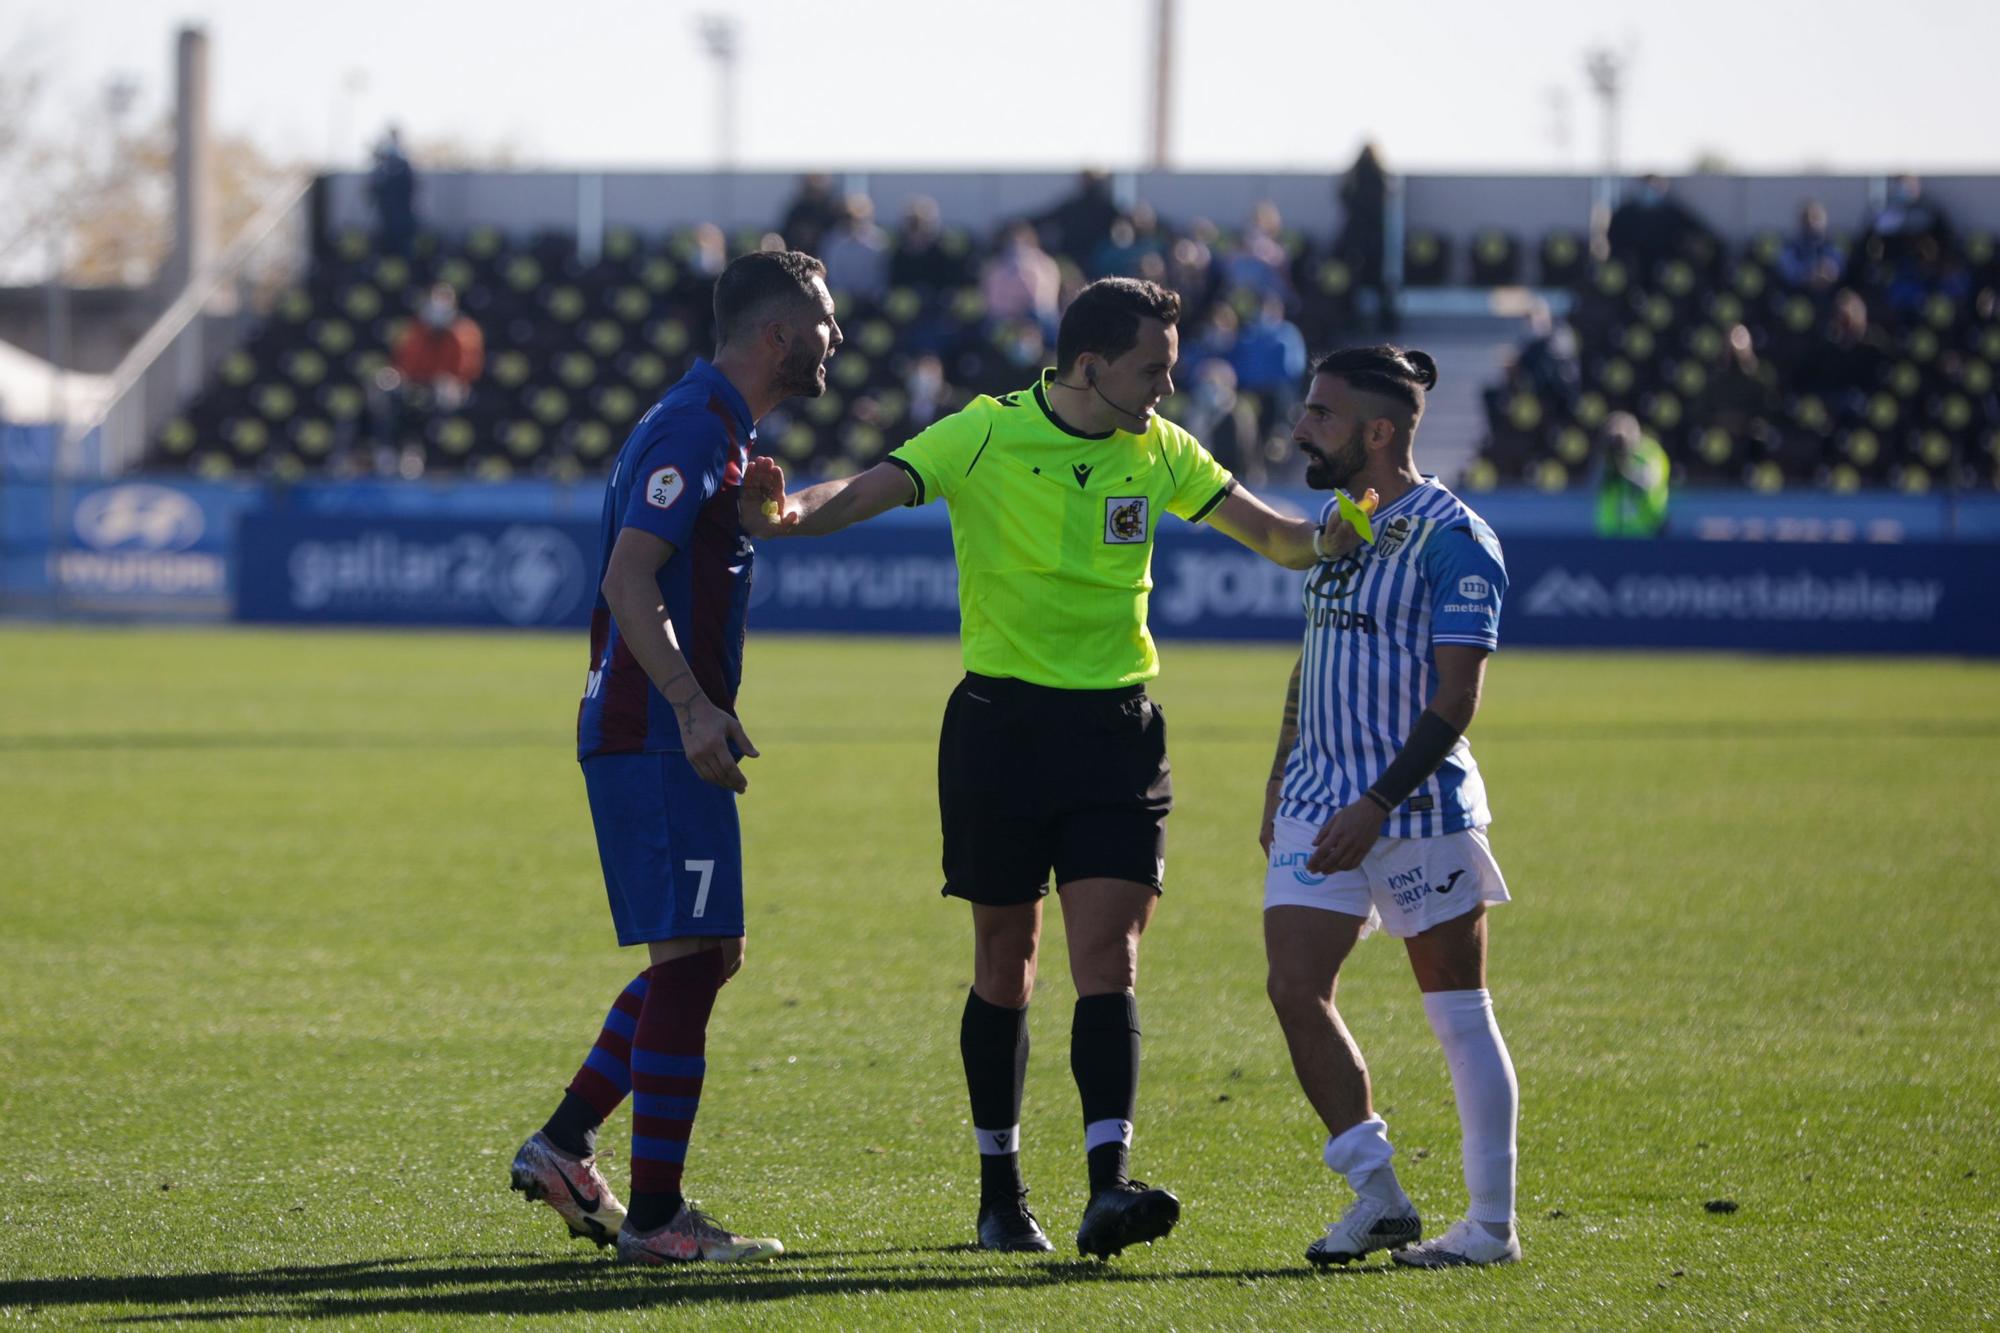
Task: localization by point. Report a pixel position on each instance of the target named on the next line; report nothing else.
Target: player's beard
(1337, 466)
(799, 372)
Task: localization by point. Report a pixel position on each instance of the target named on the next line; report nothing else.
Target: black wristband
(1431, 740)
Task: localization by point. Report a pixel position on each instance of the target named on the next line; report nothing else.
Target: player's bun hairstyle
(1104, 318)
(1401, 373)
(753, 283)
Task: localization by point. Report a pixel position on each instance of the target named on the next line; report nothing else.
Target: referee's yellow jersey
(1054, 534)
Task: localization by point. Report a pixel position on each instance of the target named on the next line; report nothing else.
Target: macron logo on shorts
(664, 487)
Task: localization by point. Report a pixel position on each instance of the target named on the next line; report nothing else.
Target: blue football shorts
(670, 845)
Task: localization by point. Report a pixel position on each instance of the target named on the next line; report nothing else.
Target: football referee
(1052, 758)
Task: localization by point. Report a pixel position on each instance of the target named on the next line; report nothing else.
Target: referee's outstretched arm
(767, 511)
(1295, 543)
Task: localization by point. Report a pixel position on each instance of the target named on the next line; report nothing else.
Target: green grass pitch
(303, 933)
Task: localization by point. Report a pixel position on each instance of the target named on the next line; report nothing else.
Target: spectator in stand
(1742, 392)
(1261, 265)
(1548, 363)
(1214, 340)
(1845, 365)
(1545, 365)
(1131, 248)
(1926, 270)
(1810, 260)
(857, 254)
(1270, 360)
(1892, 231)
(1652, 227)
(433, 368)
(1021, 281)
(709, 254)
(930, 397)
(1191, 267)
(1364, 205)
(1220, 418)
(392, 188)
(1632, 480)
(1078, 224)
(442, 350)
(920, 261)
(813, 212)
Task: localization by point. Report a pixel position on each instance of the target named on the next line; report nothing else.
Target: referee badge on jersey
(1124, 519)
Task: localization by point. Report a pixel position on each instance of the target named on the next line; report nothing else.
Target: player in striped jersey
(1376, 813)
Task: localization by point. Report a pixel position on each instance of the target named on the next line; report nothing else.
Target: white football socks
(1362, 1154)
(1482, 1077)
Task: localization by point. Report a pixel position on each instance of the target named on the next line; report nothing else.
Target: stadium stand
(575, 351)
(1748, 364)
(1786, 362)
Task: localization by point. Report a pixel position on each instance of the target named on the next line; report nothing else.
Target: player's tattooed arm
(1288, 736)
(1288, 727)
(711, 737)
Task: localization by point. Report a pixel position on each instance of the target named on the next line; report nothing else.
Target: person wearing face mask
(1651, 227)
(1893, 232)
(1052, 758)
(925, 384)
(433, 367)
(1021, 281)
(442, 350)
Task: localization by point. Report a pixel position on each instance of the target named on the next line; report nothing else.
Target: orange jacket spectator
(440, 343)
(426, 354)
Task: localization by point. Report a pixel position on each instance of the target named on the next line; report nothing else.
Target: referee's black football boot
(1126, 1214)
(1006, 1224)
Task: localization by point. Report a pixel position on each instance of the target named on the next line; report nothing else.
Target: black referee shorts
(1033, 779)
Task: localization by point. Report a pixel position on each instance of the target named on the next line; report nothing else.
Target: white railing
(210, 318)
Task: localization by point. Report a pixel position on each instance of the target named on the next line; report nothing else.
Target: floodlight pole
(718, 36)
(1163, 84)
(1606, 70)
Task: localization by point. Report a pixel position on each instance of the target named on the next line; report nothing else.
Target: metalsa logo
(138, 518)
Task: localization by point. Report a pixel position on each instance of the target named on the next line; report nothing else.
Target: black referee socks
(993, 1042)
(1104, 1057)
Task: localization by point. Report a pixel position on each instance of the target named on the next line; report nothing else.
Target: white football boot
(1366, 1226)
(1468, 1243)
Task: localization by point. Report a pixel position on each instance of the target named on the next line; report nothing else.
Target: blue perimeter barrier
(526, 555)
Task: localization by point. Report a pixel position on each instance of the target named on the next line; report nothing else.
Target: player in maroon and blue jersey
(659, 741)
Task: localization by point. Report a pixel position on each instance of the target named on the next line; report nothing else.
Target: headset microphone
(1090, 383)
(1090, 379)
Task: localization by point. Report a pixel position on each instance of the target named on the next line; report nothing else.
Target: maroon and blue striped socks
(668, 1063)
(604, 1078)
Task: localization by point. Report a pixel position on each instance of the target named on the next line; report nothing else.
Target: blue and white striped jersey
(1434, 575)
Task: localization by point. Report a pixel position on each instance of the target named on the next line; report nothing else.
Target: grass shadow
(531, 1284)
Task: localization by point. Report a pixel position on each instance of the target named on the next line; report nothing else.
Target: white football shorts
(1403, 885)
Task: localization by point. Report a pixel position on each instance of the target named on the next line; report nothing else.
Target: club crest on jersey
(1390, 540)
(1125, 519)
(664, 487)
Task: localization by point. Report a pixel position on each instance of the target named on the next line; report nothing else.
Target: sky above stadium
(1771, 85)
